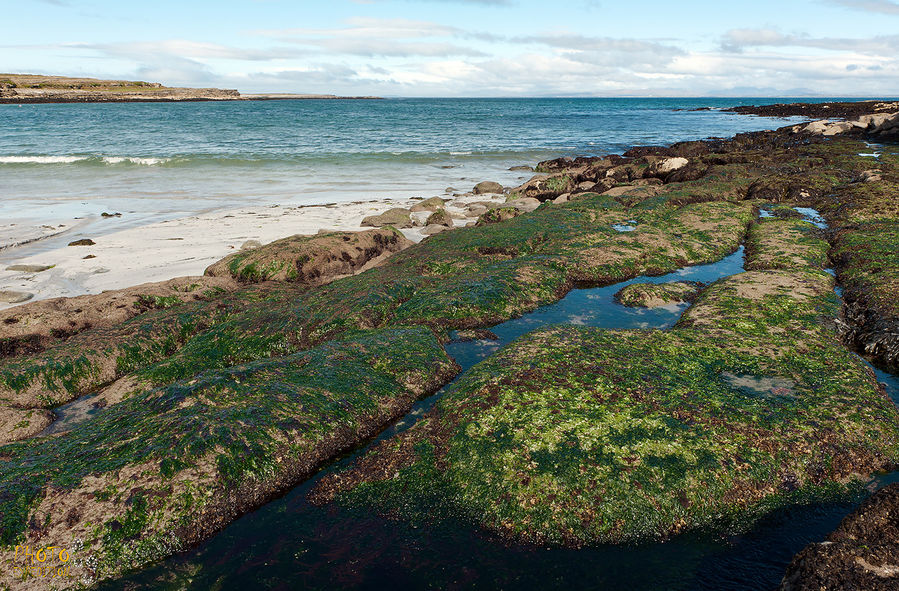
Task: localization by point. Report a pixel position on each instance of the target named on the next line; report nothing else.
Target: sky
(467, 47)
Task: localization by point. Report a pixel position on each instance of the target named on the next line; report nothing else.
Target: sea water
(163, 160)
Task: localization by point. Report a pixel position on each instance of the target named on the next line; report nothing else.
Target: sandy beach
(180, 247)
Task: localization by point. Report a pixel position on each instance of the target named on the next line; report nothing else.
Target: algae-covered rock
(169, 466)
(863, 552)
(311, 260)
(654, 295)
(543, 187)
(35, 326)
(440, 218)
(498, 214)
(579, 436)
(397, 217)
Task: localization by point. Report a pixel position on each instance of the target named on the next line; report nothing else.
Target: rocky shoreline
(216, 393)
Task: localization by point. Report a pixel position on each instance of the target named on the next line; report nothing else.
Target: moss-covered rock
(653, 295)
(312, 260)
(168, 466)
(440, 218)
(579, 436)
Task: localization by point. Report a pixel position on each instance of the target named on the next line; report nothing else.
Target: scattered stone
(30, 268)
(440, 218)
(82, 242)
(110, 215)
(397, 217)
(90, 256)
(487, 187)
(14, 297)
(498, 214)
(434, 229)
(522, 168)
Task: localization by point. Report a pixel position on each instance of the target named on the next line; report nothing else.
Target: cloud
(190, 50)
(881, 6)
(372, 37)
(737, 40)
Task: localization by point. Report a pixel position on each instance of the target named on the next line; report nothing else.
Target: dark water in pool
(290, 544)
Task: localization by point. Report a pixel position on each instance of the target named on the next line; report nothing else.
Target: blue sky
(467, 47)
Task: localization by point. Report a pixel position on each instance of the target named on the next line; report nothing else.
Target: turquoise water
(162, 160)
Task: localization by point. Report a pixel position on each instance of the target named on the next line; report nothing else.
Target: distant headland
(29, 88)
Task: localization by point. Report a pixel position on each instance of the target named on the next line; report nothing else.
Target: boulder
(476, 209)
(545, 187)
(432, 204)
(485, 187)
(563, 198)
(82, 242)
(440, 218)
(250, 245)
(397, 217)
(521, 169)
(311, 260)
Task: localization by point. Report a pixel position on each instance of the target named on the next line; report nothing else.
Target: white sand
(176, 248)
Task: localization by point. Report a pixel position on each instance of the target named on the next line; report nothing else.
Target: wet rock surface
(653, 295)
(862, 553)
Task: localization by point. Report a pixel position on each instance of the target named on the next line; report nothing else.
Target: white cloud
(881, 6)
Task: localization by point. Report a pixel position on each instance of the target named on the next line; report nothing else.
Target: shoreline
(185, 245)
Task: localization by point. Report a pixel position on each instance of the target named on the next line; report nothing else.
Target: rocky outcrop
(33, 327)
(311, 260)
(861, 554)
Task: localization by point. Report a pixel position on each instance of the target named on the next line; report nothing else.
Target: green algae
(445, 282)
(579, 436)
(247, 425)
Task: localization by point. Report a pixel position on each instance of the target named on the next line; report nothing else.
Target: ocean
(161, 161)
